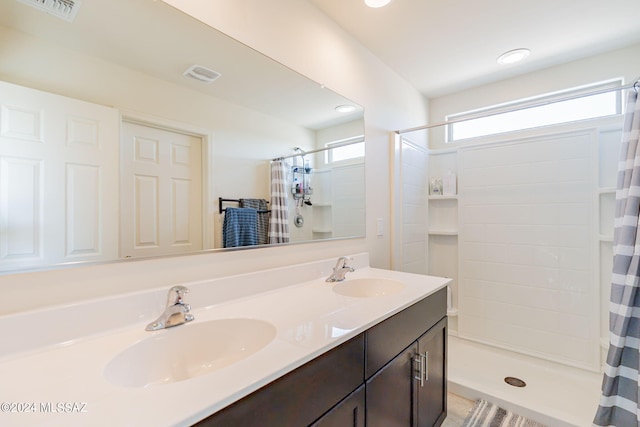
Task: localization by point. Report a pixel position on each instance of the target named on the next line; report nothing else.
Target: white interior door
(58, 179)
(161, 190)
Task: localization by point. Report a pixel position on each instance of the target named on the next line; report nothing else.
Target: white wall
(338, 133)
(303, 39)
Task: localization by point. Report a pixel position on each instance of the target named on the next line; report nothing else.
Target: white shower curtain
(619, 401)
(279, 219)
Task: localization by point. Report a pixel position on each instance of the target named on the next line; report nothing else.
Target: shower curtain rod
(635, 86)
(304, 153)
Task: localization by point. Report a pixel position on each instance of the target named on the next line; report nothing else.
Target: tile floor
(457, 410)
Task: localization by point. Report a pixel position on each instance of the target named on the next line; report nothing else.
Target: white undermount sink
(367, 288)
(188, 351)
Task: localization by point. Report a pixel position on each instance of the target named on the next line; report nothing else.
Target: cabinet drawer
(388, 338)
(301, 396)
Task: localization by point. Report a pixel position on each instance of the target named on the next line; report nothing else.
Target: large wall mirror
(113, 145)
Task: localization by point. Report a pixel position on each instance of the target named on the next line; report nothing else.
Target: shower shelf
(443, 212)
(436, 232)
(438, 197)
(607, 190)
(321, 230)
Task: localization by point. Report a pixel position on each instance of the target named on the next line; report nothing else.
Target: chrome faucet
(340, 270)
(176, 312)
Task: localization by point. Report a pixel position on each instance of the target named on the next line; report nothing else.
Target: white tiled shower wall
(525, 223)
(348, 200)
(414, 208)
(529, 238)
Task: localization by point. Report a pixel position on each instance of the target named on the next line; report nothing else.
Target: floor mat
(485, 414)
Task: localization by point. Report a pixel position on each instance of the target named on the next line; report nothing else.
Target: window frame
(531, 103)
(329, 146)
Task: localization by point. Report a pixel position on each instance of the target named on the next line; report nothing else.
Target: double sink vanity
(279, 347)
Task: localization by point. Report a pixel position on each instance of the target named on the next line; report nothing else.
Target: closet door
(58, 179)
(161, 191)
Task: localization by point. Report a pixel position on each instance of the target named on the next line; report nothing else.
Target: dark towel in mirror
(240, 227)
(263, 217)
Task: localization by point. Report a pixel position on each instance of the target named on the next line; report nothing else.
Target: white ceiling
(443, 46)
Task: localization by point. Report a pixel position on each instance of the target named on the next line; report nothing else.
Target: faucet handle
(175, 295)
(342, 263)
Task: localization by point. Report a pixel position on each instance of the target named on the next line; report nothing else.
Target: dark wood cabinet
(431, 394)
(389, 337)
(300, 397)
(390, 392)
(409, 390)
(393, 374)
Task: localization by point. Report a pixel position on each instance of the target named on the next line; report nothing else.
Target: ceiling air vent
(201, 73)
(63, 9)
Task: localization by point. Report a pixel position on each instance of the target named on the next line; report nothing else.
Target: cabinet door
(431, 393)
(348, 413)
(390, 392)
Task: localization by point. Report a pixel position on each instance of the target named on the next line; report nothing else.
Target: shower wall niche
(442, 218)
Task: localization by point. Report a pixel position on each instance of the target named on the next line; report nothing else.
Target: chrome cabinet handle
(417, 366)
(421, 366)
(426, 366)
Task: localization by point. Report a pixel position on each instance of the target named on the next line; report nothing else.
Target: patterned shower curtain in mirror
(619, 401)
(279, 219)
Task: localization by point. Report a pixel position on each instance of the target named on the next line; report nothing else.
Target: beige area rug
(485, 414)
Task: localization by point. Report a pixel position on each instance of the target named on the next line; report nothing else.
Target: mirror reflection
(114, 143)
(314, 195)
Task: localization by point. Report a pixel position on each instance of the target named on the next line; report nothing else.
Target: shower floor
(556, 395)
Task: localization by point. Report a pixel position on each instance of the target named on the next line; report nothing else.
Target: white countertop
(68, 376)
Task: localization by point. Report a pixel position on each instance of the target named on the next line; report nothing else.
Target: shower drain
(516, 382)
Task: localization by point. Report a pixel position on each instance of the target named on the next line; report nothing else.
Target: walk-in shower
(527, 242)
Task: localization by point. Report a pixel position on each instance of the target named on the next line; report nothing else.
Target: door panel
(161, 191)
(58, 179)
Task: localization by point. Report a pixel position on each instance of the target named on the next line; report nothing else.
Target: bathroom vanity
(272, 348)
(391, 374)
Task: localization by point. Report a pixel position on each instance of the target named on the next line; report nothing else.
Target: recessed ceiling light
(376, 3)
(345, 108)
(513, 56)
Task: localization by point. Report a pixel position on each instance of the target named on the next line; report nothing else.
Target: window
(352, 148)
(539, 111)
